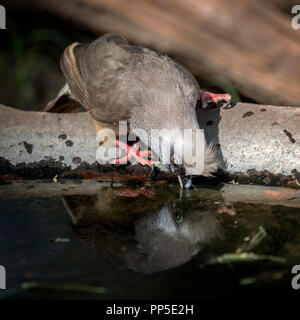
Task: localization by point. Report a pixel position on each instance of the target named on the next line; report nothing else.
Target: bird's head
(184, 152)
(182, 149)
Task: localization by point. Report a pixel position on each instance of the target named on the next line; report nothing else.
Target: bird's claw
(210, 100)
(132, 152)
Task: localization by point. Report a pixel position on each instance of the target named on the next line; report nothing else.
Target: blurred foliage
(29, 64)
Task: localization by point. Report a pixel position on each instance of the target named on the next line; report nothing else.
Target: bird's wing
(116, 81)
(94, 73)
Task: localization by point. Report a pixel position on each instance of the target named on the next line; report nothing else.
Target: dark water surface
(146, 242)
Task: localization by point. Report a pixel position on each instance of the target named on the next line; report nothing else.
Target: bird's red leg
(209, 99)
(132, 152)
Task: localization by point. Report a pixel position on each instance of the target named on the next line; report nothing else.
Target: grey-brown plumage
(116, 81)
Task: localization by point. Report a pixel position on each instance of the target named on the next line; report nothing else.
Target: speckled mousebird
(115, 81)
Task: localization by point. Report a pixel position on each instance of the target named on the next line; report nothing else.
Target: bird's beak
(184, 181)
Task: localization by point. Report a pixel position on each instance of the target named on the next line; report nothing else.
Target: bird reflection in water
(144, 234)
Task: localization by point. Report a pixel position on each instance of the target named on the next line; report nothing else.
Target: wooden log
(256, 144)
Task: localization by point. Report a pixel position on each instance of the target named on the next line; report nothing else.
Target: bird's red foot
(132, 152)
(209, 100)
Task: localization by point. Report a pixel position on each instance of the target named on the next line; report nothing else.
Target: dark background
(246, 48)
